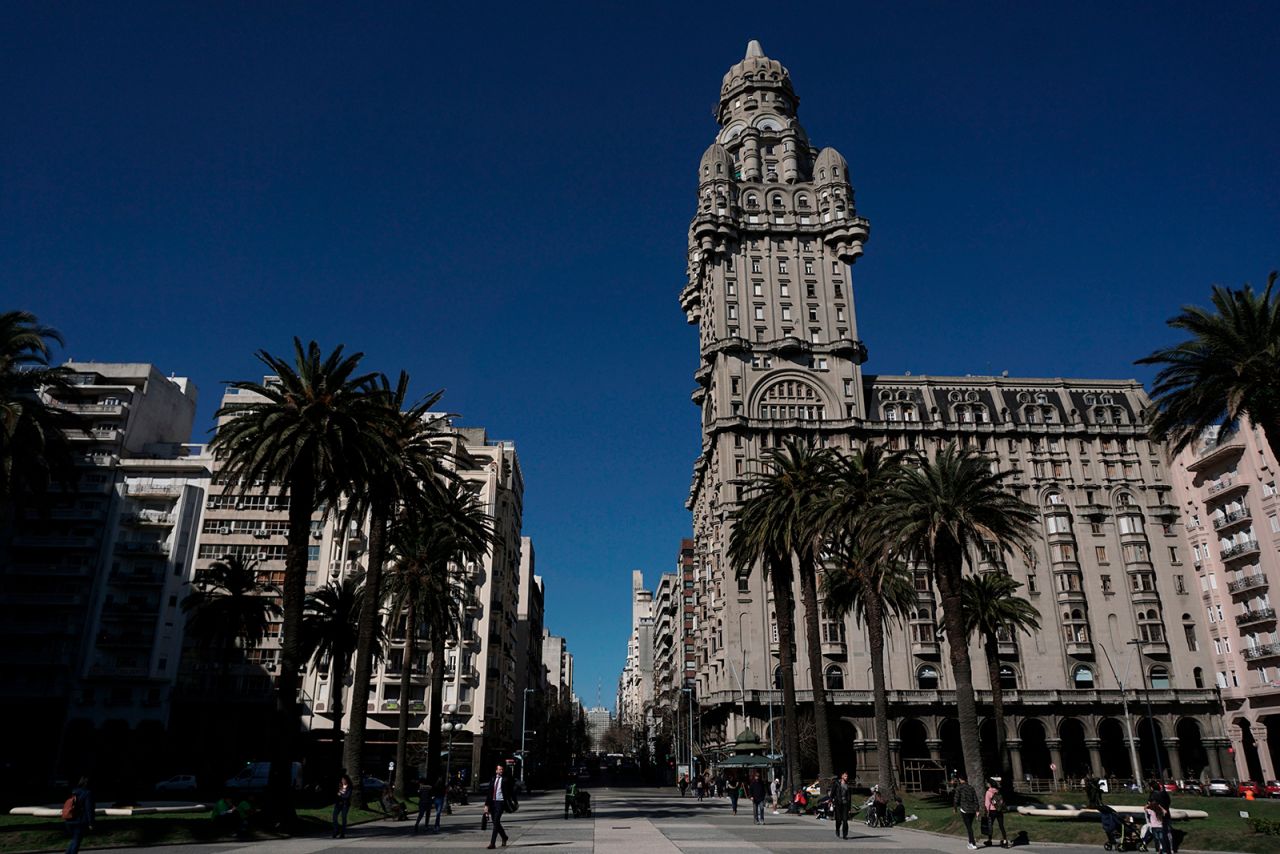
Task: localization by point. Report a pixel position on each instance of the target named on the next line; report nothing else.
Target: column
(1015, 761)
(1175, 759)
(895, 757)
(1215, 747)
(1095, 756)
(1264, 752)
(1055, 756)
(935, 749)
(1237, 744)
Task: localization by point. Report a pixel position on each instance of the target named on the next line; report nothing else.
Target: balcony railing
(1232, 517)
(1240, 549)
(1249, 583)
(1221, 484)
(1258, 615)
(1082, 649)
(1266, 650)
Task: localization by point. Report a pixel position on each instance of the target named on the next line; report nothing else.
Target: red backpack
(71, 809)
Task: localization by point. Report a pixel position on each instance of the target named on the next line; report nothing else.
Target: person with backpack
(77, 814)
(1157, 817)
(965, 801)
(993, 802)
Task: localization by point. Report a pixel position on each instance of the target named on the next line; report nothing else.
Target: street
(625, 821)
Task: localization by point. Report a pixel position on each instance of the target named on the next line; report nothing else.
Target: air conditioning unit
(239, 505)
(315, 535)
(271, 666)
(261, 534)
(262, 555)
(225, 529)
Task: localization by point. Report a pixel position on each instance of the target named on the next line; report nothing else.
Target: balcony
(151, 517)
(833, 648)
(1223, 484)
(1080, 649)
(1266, 650)
(1231, 518)
(1257, 615)
(1216, 453)
(161, 490)
(1240, 550)
(94, 408)
(148, 548)
(1007, 649)
(925, 649)
(1252, 582)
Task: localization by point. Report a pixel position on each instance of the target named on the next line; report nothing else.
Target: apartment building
(531, 674)
(557, 661)
(91, 579)
(771, 247)
(635, 685)
(1225, 485)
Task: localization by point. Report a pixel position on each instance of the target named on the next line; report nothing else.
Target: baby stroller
(582, 804)
(877, 812)
(1122, 833)
(825, 811)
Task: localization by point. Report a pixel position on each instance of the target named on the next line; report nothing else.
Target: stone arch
(1249, 749)
(952, 754)
(1035, 748)
(987, 742)
(844, 741)
(1074, 749)
(1152, 754)
(790, 396)
(1191, 750)
(1114, 745)
(913, 739)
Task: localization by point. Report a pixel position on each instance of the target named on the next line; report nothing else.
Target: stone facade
(1226, 487)
(769, 287)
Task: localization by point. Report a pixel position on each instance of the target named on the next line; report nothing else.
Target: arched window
(1159, 676)
(1053, 498)
(1082, 678)
(777, 200)
(1008, 677)
(791, 400)
(1198, 675)
(752, 201)
(802, 202)
(927, 678)
(834, 678)
(777, 678)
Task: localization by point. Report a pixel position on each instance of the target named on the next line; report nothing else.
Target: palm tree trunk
(991, 646)
(813, 648)
(947, 570)
(880, 697)
(362, 679)
(784, 613)
(437, 704)
(301, 503)
(337, 675)
(402, 719)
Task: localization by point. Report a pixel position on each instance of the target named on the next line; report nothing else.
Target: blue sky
(496, 199)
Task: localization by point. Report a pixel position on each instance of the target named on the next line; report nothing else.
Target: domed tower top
(754, 84)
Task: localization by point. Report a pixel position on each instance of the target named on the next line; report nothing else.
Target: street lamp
(524, 729)
(689, 691)
(449, 725)
(1151, 718)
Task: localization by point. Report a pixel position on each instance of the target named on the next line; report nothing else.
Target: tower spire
(754, 49)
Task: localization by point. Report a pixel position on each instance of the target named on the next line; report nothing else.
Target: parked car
(1192, 787)
(1248, 787)
(1273, 788)
(1170, 786)
(1219, 788)
(177, 783)
(254, 775)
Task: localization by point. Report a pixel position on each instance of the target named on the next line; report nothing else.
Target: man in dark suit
(494, 803)
(840, 794)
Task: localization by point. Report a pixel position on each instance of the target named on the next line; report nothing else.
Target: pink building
(1225, 484)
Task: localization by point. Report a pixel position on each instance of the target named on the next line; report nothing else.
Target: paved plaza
(625, 821)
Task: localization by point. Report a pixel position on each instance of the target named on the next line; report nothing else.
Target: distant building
(91, 583)
(557, 661)
(599, 720)
(531, 674)
(1225, 485)
(635, 685)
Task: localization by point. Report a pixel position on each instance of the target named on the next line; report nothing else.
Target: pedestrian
(735, 791)
(78, 814)
(1157, 823)
(993, 802)
(840, 795)
(699, 788)
(1161, 796)
(758, 794)
(965, 801)
(424, 804)
(683, 785)
(494, 803)
(775, 791)
(439, 795)
(341, 807)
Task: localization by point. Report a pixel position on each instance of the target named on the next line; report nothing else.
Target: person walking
(775, 791)
(1158, 824)
(424, 804)
(683, 785)
(494, 803)
(735, 791)
(341, 807)
(759, 794)
(965, 801)
(993, 803)
(840, 796)
(78, 818)
(439, 795)
(1160, 795)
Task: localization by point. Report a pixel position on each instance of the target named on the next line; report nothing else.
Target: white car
(179, 783)
(1219, 788)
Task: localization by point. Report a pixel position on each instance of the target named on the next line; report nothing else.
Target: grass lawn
(27, 833)
(1223, 830)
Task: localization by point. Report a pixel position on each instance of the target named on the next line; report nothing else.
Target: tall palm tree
(316, 429)
(875, 586)
(403, 479)
(424, 585)
(992, 607)
(777, 521)
(34, 448)
(329, 631)
(1227, 370)
(940, 512)
(229, 609)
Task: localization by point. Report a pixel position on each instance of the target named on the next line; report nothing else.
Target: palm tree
(872, 584)
(939, 512)
(779, 519)
(992, 608)
(404, 478)
(422, 587)
(316, 429)
(229, 609)
(34, 449)
(329, 630)
(1227, 370)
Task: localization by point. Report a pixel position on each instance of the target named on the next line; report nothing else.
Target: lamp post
(1151, 719)
(524, 729)
(449, 726)
(689, 692)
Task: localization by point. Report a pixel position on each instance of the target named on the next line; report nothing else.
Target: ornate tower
(770, 252)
